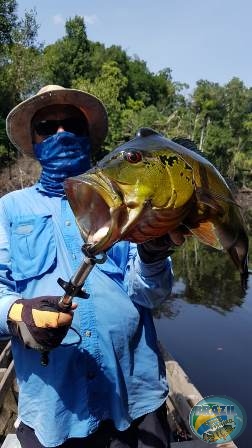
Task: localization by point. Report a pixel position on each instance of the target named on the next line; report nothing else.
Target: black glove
(156, 249)
(39, 322)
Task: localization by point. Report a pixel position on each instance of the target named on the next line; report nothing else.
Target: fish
(219, 433)
(150, 186)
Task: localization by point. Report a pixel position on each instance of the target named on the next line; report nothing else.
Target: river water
(207, 326)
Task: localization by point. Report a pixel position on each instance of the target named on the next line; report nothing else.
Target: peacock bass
(151, 186)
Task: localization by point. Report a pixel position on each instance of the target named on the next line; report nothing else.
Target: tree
(218, 118)
(162, 91)
(8, 21)
(135, 115)
(21, 67)
(107, 86)
(208, 105)
(238, 104)
(218, 146)
(68, 58)
(100, 55)
(139, 79)
(26, 31)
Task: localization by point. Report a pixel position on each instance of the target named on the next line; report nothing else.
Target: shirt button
(87, 333)
(68, 223)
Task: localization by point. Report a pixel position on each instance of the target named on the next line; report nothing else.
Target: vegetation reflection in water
(203, 276)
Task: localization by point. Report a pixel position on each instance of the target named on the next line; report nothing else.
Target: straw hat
(18, 122)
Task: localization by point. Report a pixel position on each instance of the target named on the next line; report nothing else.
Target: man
(104, 385)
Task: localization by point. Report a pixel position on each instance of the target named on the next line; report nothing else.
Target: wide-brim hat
(18, 122)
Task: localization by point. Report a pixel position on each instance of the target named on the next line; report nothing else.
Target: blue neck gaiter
(62, 155)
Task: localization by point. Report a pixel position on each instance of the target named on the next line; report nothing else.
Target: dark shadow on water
(203, 276)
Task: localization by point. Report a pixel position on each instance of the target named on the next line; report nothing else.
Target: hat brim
(18, 122)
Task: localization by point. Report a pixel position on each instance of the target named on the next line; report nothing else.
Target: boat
(183, 395)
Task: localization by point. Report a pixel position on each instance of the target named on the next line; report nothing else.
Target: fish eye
(133, 156)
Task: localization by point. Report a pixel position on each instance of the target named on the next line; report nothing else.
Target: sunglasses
(76, 126)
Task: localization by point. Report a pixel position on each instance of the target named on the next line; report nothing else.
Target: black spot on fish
(168, 160)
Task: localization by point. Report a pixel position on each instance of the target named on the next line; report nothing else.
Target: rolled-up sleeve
(148, 284)
(7, 285)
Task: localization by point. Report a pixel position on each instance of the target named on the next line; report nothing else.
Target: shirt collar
(39, 187)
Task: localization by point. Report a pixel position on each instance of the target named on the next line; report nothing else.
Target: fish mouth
(101, 212)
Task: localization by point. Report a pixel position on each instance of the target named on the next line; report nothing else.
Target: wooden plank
(6, 381)
(11, 441)
(5, 352)
(183, 393)
(2, 372)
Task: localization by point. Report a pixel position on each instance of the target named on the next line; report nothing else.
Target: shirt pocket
(33, 248)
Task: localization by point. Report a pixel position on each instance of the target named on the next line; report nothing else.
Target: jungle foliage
(217, 117)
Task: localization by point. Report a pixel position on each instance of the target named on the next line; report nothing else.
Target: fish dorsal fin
(187, 143)
(146, 132)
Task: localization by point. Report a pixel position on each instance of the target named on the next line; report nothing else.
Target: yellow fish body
(151, 186)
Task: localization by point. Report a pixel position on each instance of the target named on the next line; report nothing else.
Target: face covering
(62, 155)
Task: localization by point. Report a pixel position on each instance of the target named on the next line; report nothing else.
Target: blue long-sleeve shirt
(108, 366)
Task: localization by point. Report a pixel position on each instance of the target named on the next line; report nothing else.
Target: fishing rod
(73, 287)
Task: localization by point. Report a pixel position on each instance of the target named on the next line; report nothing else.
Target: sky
(197, 39)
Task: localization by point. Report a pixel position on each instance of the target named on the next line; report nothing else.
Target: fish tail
(244, 281)
(242, 264)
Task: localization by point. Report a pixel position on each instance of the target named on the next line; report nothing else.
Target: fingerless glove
(39, 322)
(156, 249)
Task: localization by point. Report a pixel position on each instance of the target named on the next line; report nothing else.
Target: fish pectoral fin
(212, 199)
(205, 232)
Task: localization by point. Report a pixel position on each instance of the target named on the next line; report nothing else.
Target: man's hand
(39, 322)
(161, 247)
